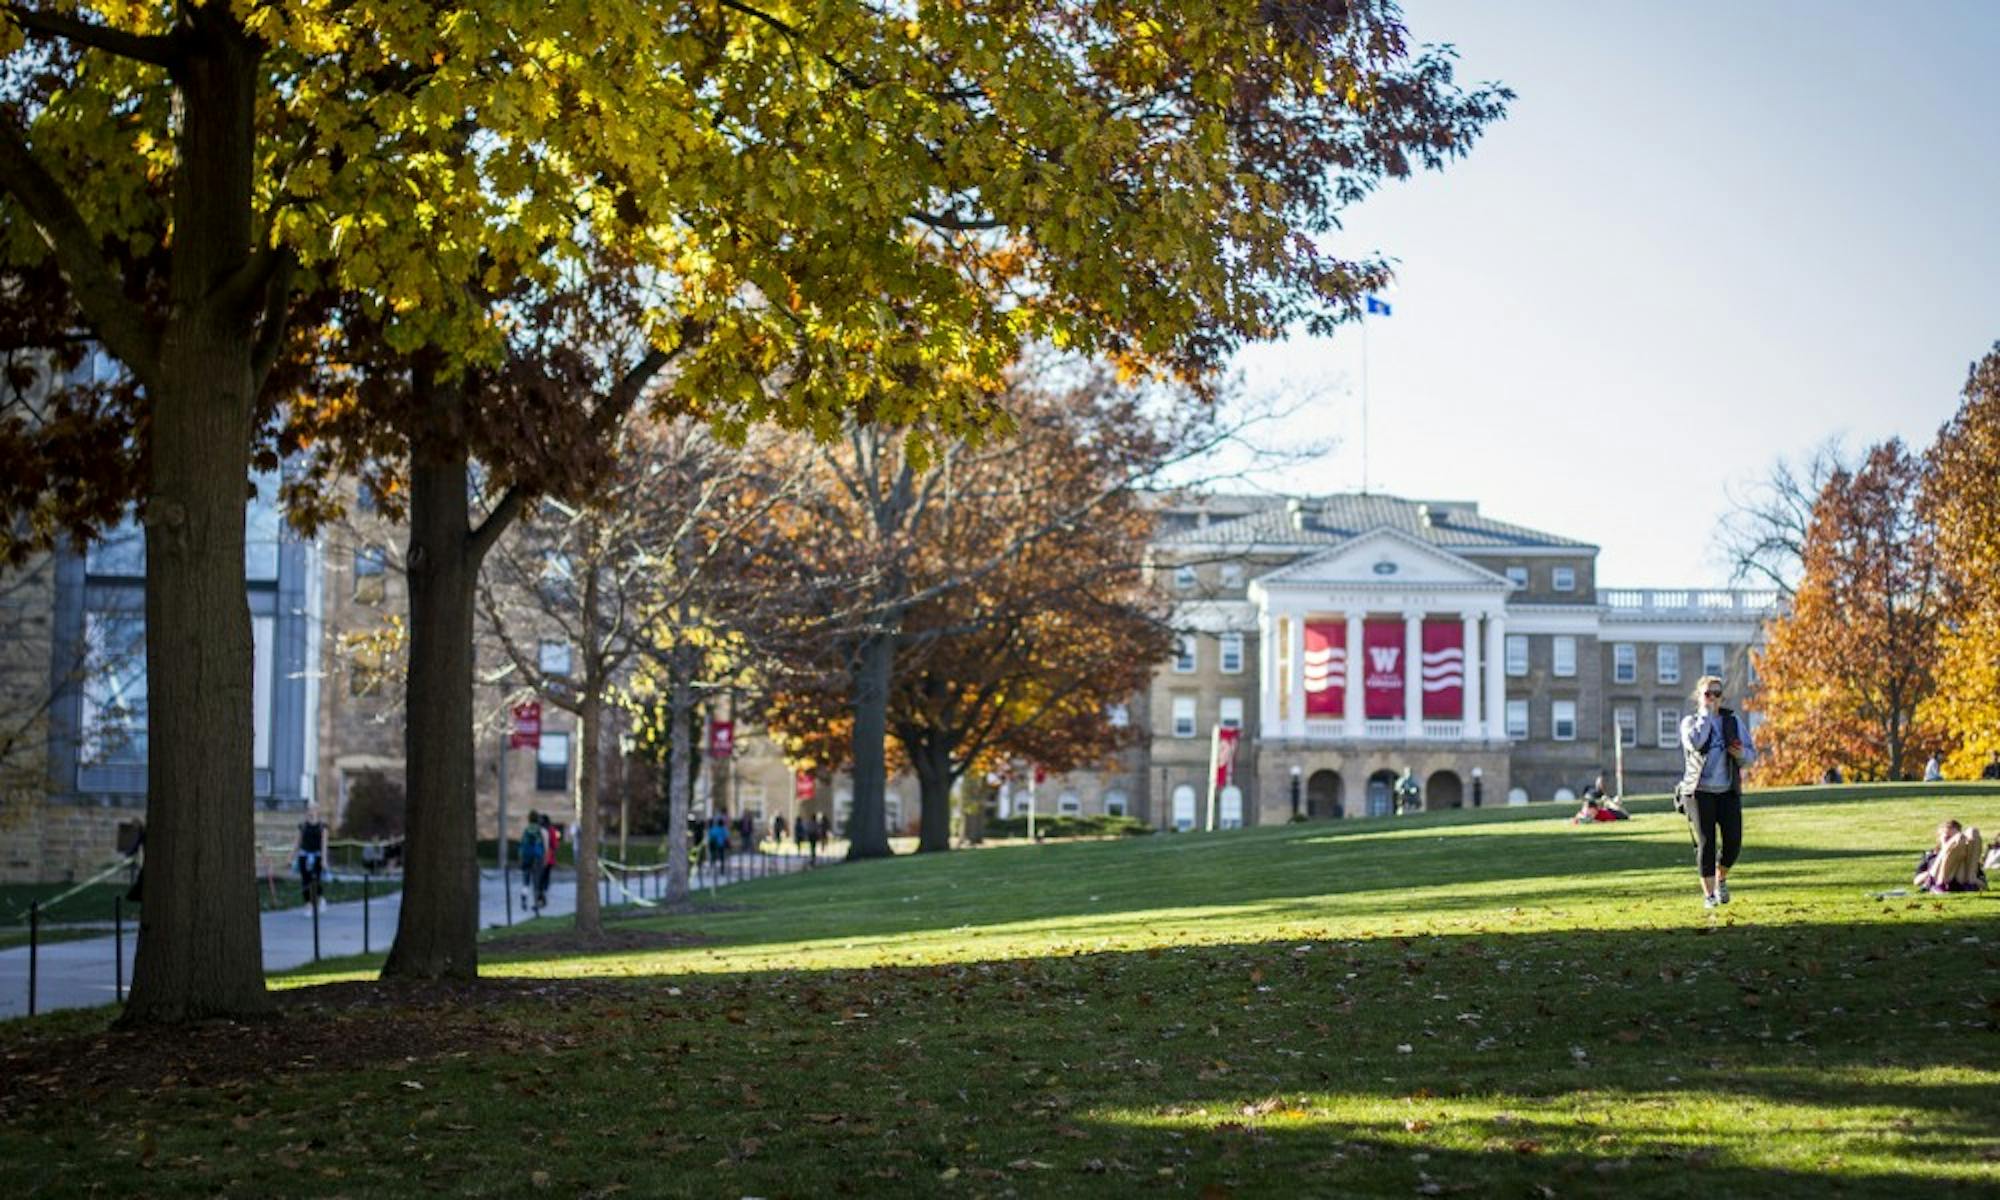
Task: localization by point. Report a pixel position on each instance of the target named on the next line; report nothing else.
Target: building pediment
(1384, 558)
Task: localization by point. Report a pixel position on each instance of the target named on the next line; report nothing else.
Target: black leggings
(1708, 813)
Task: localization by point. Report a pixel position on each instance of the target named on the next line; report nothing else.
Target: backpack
(531, 847)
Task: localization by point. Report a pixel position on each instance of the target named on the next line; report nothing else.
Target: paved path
(83, 973)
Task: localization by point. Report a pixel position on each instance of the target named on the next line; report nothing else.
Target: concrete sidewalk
(83, 973)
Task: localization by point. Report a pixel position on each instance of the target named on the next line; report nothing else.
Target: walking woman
(1716, 744)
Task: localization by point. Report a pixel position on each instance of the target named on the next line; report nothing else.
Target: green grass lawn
(1477, 1004)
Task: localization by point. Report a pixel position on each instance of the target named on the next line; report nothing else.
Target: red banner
(1444, 670)
(527, 731)
(1325, 668)
(721, 739)
(1225, 756)
(1382, 681)
(804, 786)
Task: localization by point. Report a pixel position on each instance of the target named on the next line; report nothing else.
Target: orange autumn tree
(1845, 671)
(1961, 502)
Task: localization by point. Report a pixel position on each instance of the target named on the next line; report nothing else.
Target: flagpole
(1364, 403)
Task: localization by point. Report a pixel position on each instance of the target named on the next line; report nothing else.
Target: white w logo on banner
(1383, 657)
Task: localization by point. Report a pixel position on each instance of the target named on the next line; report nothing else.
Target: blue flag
(1378, 306)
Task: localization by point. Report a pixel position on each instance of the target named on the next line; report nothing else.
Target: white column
(1470, 640)
(1268, 682)
(1297, 681)
(1413, 674)
(1496, 676)
(1351, 703)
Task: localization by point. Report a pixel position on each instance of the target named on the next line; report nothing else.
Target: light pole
(1296, 772)
(1478, 786)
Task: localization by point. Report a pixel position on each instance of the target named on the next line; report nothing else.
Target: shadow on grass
(1754, 1061)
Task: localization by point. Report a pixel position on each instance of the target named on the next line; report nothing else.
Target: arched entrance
(1381, 793)
(1444, 791)
(1323, 796)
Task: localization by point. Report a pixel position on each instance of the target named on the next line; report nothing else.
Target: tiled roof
(1330, 520)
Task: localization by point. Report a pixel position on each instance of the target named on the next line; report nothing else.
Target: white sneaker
(1721, 892)
(1708, 901)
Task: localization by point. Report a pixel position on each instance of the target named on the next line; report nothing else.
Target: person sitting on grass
(1594, 811)
(1953, 864)
(1992, 863)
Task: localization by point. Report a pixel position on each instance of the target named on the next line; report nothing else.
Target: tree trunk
(589, 733)
(930, 758)
(437, 934)
(867, 824)
(679, 704)
(200, 946)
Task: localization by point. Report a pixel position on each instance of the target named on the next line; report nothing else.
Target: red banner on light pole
(1225, 756)
(804, 786)
(527, 731)
(721, 739)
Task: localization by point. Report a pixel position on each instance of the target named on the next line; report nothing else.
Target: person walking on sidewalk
(531, 863)
(551, 842)
(1715, 743)
(311, 860)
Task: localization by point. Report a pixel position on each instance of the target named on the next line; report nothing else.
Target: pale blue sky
(1706, 234)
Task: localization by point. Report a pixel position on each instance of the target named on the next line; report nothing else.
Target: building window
(114, 688)
(1231, 816)
(370, 564)
(1670, 664)
(1517, 796)
(1115, 803)
(1562, 720)
(1564, 652)
(1232, 654)
(1118, 716)
(365, 500)
(553, 659)
(1564, 796)
(1670, 728)
(1232, 712)
(1517, 654)
(552, 763)
(1068, 805)
(1627, 720)
(1711, 660)
(1563, 579)
(1518, 576)
(1184, 577)
(1232, 575)
(1183, 716)
(263, 529)
(120, 551)
(1184, 656)
(1183, 808)
(1624, 663)
(1517, 718)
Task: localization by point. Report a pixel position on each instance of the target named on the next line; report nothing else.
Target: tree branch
(277, 283)
(120, 323)
(496, 522)
(147, 48)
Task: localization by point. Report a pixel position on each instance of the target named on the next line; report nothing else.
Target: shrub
(374, 808)
(1069, 827)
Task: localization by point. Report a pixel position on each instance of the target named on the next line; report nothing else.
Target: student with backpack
(532, 851)
(1715, 744)
(551, 843)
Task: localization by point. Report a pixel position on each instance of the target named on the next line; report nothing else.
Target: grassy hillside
(1492, 1003)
